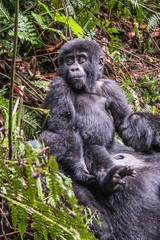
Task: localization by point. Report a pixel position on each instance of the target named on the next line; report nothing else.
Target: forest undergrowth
(36, 201)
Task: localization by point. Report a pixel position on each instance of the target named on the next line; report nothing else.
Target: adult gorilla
(85, 112)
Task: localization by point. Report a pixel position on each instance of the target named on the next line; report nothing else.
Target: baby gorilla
(85, 110)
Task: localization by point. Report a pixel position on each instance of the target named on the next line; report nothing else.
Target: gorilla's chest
(93, 121)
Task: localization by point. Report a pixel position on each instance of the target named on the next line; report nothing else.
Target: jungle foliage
(38, 199)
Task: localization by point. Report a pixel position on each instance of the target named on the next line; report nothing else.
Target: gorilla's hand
(137, 132)
(114, 177)
(82, 175)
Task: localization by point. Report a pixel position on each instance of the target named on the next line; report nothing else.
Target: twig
(31, 7)
(152, 70)
(155, 43)
(27, 83)
(123, 50)
(8, 234)
(2, 220)
(11, 233)
(67, 29)
(4, 75)
(44, 150)
(156, 59)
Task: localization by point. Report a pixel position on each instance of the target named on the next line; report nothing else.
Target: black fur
(85, 112)
(132, 211)
(141, 131)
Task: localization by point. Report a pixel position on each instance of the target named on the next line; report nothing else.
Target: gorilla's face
(81, 64)
(76, 69)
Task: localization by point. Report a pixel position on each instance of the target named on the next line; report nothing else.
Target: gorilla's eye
(69, 61)
(81, 59)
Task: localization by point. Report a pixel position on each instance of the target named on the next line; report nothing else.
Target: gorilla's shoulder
(57, 81)
(58, 85)
(108, 82)
(108, 85)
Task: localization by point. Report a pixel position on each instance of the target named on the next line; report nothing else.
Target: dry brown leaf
(50, 75)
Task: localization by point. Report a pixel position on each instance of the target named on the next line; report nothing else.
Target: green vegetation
(39, 199)
(53, 211)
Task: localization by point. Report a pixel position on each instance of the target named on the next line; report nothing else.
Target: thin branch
(136, 56)
(28, 83)
(13, 76)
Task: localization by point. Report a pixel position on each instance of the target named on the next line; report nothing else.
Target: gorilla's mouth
(78, 77)
(77, 82)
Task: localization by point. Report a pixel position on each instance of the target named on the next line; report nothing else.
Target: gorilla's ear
(101, 63)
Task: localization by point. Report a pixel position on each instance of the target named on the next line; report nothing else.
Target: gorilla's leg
(53, 140)
(69, 154)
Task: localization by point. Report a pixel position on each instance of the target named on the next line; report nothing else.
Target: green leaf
(40, 21)
(46, 8)
(76, 28)
(147, 96)
(60, 18)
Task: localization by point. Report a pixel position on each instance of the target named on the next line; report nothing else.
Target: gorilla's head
(81, 63)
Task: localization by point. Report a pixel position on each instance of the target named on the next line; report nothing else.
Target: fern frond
(6, 44)
(4, 14)
(76, 3)
(39, 189)
(14, 216)
(70, 8)
(29, 202)
(31, 124)
(40, 85)
(135, 3)
(26, 31)
(154, 21)
(23, 220)
(40, 230)
(30, 192)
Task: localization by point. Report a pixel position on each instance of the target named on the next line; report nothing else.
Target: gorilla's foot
(114, 177)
